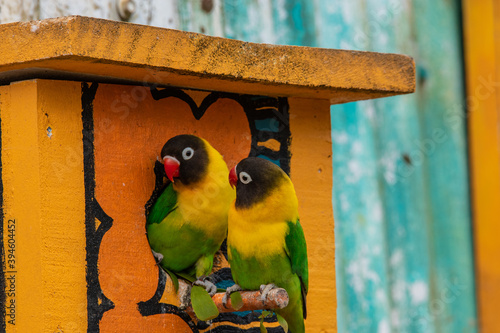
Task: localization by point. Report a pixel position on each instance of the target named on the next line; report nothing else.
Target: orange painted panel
(130, 130)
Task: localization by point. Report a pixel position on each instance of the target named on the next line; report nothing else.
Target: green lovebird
(188, 221)
(266, 243)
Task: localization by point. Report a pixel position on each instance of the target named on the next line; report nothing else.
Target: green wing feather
(296, 250)
(164, 205)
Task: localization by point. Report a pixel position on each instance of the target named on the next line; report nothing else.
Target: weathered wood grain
(108, 50)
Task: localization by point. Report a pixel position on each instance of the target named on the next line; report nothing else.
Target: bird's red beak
(233, 178)
(171, 167)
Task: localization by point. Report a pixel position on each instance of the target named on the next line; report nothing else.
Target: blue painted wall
(404, 256)
(401, 196)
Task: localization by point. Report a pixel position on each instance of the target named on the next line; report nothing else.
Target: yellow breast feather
(206, 204)
(260, 230)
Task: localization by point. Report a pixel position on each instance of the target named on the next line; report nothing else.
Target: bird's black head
(254, 178)
(185, 158)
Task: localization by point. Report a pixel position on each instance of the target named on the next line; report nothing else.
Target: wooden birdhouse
(86, 106)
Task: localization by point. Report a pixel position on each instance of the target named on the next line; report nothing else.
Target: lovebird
(188, 222)
(266, 246)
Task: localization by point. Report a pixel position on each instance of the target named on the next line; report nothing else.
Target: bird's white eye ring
(245, 177)
(187, 153)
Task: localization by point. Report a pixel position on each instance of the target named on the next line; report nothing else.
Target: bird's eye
(245, 177)
(187, 153)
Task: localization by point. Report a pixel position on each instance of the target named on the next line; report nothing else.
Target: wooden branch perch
(276, 299)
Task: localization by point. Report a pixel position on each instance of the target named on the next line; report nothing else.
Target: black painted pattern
(97, 302)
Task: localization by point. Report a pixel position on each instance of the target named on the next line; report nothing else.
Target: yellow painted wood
(312, 178)
(81, 47)
(42, 172)
(22, 203)
(482, 55)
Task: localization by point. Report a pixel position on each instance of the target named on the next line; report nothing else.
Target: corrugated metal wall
(403, 235)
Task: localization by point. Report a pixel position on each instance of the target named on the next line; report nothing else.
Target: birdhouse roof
(90, 49)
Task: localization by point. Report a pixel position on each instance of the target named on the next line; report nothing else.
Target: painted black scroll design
(268, 118)
(154, 306)
(97, 302)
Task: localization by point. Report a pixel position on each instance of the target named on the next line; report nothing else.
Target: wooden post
(482, 60)
(86, 105)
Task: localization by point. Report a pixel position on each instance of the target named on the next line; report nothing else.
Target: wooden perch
(276, 299)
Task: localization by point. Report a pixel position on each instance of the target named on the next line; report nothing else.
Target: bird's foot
(205, 282)
(228, 293)
(158, 257)
(265, 289)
